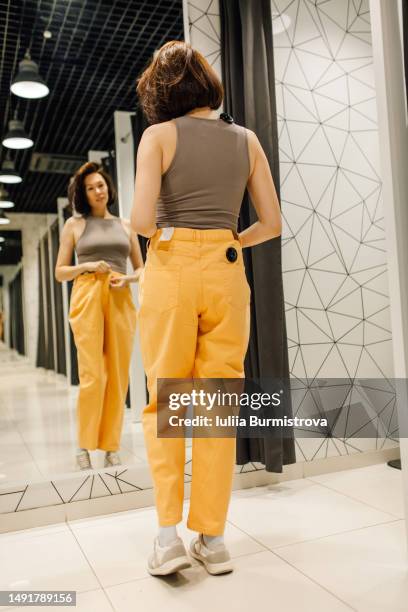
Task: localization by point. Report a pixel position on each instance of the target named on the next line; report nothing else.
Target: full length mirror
(83, 111)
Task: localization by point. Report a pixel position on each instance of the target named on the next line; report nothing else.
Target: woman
(192, 171)
(102, 314)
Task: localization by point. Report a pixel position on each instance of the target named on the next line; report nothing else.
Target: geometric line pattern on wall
(334, 256)
(205, 30)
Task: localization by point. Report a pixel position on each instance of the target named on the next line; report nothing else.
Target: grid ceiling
(97, 50)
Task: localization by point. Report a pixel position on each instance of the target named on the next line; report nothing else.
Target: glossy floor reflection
(38, 425)
(324, 544)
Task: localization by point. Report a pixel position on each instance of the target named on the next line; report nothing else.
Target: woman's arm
(136, 259)
(63, 270)
(147, 183)
(263, 196)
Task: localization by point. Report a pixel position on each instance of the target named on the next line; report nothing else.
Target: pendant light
(2, 239)
(28, 83)
(3, 219)
(8, 173)
(16, 137)
(5, 201)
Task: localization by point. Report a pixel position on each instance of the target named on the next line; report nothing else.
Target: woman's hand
(98, 266)
(119, 282)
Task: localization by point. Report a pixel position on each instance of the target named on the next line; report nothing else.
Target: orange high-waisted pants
(194, 323)
(103, 321)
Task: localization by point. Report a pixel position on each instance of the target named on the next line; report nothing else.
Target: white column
(125, 167)
(393, 135)
(96, 156)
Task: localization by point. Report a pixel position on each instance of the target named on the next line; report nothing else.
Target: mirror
(90, 111)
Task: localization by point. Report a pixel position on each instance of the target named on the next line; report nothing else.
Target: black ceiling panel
(91, 62)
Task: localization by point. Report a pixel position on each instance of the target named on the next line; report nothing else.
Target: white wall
(203, 31)
(334, 252)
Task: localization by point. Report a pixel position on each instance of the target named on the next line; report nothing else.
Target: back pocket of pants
(160, 288)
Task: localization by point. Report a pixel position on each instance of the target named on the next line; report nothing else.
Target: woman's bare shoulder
(75, 222)
(161, 131)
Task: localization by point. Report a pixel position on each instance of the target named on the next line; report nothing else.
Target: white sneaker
(111, 459)
(168, 559)
(83, 460)
(216, 561)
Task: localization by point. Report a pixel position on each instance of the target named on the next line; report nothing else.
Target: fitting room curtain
(41, 342)
(61, 366)
(74, 359)
(405, 42)
(17, 314)
(50, 357)
(109, 165)
(139, 124)
(249, 83)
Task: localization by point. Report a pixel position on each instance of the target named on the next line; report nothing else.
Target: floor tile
(128, 538)
(260, 581)
(378, 485)
(367, 568)
(298, 510)
(49, 561)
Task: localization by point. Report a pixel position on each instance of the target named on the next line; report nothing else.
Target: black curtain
(16, 314)
(74, 359)
(61, 365)
(139, 124)
(249, 83)
(41, 342)
(109, 165)
(405, 42)
(50, 357)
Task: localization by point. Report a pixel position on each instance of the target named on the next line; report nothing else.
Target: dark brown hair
(177, 80)
(76, 189)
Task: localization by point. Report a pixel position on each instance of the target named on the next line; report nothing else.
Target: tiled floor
(38, 424)
(329, 543)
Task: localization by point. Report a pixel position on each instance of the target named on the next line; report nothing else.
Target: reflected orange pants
(194, 322)
(103, 321)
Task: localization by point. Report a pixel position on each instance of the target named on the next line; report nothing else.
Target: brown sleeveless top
(104, 239)
(205, 182)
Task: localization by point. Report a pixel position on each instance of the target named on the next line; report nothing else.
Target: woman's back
(204, 184)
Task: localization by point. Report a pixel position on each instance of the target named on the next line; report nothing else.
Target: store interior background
(334, 249)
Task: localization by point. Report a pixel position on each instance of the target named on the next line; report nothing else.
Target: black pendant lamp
(16, 137)
(8, 173)
(5, 201)
(28, 83)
